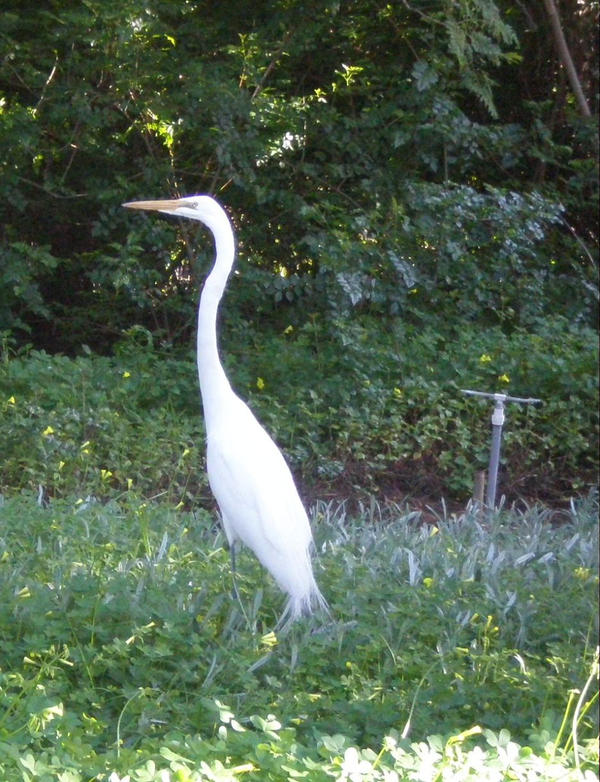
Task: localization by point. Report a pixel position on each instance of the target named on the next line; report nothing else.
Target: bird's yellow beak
(155, 206)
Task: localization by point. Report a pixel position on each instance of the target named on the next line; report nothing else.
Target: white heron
(248, 475)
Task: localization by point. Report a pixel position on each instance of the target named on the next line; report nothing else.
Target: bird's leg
(236, 594)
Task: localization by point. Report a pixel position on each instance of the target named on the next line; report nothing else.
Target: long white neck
(214, 385)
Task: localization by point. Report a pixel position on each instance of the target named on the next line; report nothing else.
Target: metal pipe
(497, 424)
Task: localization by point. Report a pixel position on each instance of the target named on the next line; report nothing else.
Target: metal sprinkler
(497, 424)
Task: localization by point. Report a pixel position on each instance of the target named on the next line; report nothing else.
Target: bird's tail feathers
(299, 605)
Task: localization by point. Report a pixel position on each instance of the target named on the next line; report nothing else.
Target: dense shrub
(356, 410)
(369, 161)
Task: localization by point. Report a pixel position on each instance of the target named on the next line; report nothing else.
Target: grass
(464, 649)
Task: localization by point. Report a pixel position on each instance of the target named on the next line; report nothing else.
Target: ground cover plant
(460, 647)
(357, 411)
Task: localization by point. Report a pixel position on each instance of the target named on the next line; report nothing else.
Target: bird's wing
(253, 485)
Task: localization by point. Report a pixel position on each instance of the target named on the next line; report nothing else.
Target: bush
(356, 410)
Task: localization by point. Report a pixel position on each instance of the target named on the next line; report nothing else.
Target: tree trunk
(565, 57)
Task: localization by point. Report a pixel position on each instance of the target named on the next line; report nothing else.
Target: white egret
(248, 475)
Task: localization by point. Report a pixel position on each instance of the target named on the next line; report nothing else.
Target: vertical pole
(497, 424)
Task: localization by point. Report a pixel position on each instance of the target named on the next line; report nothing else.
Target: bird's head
(197, 207)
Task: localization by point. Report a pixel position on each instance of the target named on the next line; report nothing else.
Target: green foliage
(123, 653)
(266, 751)
(23, 269)
(387, 410)
(356, 410)
(354, 146)
(101, 426)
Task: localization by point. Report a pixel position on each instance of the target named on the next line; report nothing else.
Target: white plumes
(260, 505)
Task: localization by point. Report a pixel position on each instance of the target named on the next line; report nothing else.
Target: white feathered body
(259, 503)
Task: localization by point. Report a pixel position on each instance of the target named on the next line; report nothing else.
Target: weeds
(380, 418)
(123, 651)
